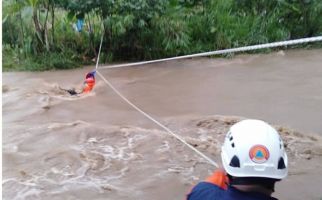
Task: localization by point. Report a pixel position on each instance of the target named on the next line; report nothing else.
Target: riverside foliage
(42, 34)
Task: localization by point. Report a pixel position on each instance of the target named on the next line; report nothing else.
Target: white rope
(233, 50)
(99, 53)
(156, 122)
(247, 48)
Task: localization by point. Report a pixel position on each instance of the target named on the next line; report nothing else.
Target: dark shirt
(209, 191)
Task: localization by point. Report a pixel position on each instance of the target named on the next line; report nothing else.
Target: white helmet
(252, 148)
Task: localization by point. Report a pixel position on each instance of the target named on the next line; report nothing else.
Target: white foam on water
(165, 147)
(105, 161)
(54, 91)
(10, 148)
(22, 189)
(68, 124)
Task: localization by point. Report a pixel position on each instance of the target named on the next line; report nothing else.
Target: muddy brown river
(95, 146)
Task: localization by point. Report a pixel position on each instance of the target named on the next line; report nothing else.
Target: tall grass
(143, 32)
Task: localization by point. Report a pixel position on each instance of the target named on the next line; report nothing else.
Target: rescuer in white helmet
(253, 158)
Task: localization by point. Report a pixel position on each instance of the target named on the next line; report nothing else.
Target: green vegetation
(39, 34)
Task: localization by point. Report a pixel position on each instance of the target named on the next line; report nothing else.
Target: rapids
(95, 146)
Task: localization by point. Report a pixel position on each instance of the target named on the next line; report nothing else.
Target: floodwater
(96, 146)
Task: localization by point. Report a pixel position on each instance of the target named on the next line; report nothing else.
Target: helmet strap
(267, 183)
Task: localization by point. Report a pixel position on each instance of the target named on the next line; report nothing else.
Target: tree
(124, 21)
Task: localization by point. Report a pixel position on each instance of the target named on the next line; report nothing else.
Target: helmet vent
(229, 134)
(234, 162)
(281, 164)
(231, 138)
(233, 145)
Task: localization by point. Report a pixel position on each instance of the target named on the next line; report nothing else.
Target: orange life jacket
(89, 84)
(219, 178)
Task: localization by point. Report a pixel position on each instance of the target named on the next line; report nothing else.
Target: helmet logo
(259, 154)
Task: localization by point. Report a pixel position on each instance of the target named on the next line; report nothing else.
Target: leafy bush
(39, 35)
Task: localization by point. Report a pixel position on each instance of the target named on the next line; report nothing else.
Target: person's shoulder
(206, 191)
(233, 193)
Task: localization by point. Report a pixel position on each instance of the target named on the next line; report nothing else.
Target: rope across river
(224, 51)
(218, 52)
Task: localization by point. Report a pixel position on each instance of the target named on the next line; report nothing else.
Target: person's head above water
(253, 158)
(90, 74)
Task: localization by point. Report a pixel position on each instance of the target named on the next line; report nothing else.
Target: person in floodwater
(89, 82)
(253, 158)
(88, 85)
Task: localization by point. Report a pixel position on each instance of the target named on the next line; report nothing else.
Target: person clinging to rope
(88, 85)
(89, 82)
(253, 158)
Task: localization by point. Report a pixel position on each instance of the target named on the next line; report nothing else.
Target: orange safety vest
(219, 178)
(89, 84)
